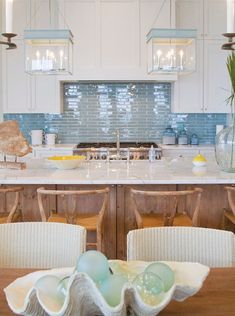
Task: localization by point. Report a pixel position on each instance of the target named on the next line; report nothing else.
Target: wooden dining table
(215, 298)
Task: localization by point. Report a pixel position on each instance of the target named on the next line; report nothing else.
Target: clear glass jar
(225, 148)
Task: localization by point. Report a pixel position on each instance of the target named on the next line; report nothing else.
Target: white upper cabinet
(206, 90)
(216, 78)
(110, 44)
(23, 93)
(119, 45)
(207, 16)
(188, 89)
(189, 15)
(215, 19)
(110, 37)
(16, 83)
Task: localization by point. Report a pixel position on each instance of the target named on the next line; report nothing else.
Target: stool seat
(17, 217)
(89, 221)
(153, 220)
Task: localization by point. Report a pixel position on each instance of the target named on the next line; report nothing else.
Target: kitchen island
(120, 176)
(165, 171)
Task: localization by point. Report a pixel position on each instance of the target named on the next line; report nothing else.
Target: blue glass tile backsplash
(140, 110)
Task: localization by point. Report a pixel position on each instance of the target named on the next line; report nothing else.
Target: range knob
(104, 156)
(141, 157)
(131, 157)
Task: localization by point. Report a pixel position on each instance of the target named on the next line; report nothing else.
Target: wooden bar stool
(229, 215)
(168, 202)
(93, 222)
(14, 214)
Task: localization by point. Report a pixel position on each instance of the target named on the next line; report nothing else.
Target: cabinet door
(16, 83)
(119, 38)
(110, 36)
(45, 92)
(215, 19)
(188, 89)
(216, 82)
(85, 25)
(21, 17)
(189, 15)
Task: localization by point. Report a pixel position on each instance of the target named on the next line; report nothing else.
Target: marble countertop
(165, 171)
(174, 147)
(55, 147)
(190, 147)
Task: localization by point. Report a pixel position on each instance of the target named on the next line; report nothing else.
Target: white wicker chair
(212, 247)
(40, 245)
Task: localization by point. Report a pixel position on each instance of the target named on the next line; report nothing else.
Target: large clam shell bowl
(84, 298)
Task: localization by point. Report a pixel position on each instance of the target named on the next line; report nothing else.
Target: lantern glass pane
(171, 54)
(48, 55)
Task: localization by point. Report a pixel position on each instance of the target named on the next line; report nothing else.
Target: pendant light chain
(50, 13)
(32, 16)
(158, 13)
(63, 16)
(170, 14)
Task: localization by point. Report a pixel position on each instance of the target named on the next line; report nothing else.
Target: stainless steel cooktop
(117, 151)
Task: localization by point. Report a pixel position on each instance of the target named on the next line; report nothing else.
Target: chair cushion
(86, 220)
(154, 220)
(17, 217)
(3, 219)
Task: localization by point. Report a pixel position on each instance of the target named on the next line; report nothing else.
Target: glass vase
(225, 148)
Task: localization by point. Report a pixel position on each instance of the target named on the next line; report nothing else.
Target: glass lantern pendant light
(171, 51)
(48, 51)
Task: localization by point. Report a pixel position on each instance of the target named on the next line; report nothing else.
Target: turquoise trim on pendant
(171, 33)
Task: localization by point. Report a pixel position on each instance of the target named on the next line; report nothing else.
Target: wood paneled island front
(120, 177)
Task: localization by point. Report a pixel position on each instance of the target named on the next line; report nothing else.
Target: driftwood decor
(12, 142)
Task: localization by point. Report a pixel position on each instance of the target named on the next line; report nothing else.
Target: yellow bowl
(66, 162)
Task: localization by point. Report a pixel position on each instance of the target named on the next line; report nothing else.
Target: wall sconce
(230, 35)
(8, 42)
(8, 34)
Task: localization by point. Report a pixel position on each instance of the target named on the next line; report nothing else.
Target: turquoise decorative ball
(95, 264)
(164, 272)
(150, 287)
(111, 289)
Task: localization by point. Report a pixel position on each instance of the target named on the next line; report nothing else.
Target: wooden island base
(119, 218)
